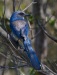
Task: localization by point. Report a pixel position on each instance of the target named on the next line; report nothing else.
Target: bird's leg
(21, 46)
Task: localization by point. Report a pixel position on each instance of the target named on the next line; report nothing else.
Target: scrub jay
(20, 28)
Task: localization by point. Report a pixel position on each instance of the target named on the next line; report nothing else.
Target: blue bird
(20, 28)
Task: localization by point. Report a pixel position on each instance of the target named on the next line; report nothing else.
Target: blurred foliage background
(51, 59)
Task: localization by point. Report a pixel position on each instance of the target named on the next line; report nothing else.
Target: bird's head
(18, 15)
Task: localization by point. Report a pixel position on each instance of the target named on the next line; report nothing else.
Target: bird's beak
(27, 14)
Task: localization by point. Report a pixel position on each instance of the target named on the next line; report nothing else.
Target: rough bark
(40, 41)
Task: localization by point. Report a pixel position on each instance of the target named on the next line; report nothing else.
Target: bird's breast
(19, 24)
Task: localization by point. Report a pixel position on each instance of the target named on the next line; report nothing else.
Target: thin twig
(14, 5)
(16, 69)
(7, 67)
(28, 6)
(3, 70)
(43, 28)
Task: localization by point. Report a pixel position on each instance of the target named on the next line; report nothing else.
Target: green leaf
(52, 22)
